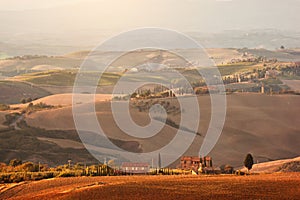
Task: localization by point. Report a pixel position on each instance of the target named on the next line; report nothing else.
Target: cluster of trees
(27, 57)
(38, 106)
(11, 117)
(17, 165)
(291, 71)
(4, 107)
(26, 100)
(227, 169)
(144, 106)
(17, 171)
(121, 98)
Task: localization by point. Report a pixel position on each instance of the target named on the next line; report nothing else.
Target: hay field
(271, 186)
(62, 100)
(66, 99)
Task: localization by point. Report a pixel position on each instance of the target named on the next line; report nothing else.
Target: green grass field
(230, 69)
(3, 55)
(66, 78)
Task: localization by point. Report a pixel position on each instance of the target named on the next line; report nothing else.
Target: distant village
(265, 79)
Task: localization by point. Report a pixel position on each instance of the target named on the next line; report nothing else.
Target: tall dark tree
(248, 162)
(159, 161)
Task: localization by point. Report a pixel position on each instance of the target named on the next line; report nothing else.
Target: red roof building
(194, 162)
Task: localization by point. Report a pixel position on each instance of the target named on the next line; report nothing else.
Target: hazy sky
(32, 4)
(190, 15)
(88, 22)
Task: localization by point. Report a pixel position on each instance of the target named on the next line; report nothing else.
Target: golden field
(267, 186)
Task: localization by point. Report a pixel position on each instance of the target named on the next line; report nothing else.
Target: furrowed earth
(266, 186)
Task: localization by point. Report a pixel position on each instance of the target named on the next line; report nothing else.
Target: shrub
(66, 174)
(38, 106)
(29, 100)
(10, 118)
(27, 167)
(228, 169)
(16, 177)
(4, 107)
(240, 173)
(15, 162)
(23, 101)
(26, 100)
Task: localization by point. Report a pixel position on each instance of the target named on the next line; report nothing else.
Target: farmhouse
(195, 163)
(135, 168)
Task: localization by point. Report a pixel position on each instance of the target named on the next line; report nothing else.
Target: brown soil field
(12, 92)
(63, 143)
(2, 117)
(2, 120)
(268, 186)
(69, 89)
(293, 84)
(223, 55)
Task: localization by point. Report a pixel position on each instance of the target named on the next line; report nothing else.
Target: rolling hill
(66, 99)
(266, 126)
(255, 122)
(284, 165)
(2, 120)
(11, 92)
(24, 64)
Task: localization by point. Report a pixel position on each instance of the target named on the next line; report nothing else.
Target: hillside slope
(285, 165)
(266, 126)
(12, 92)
